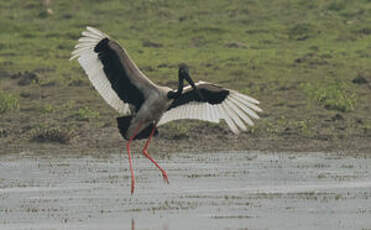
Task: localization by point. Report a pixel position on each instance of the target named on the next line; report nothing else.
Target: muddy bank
(201, 138)
(53, 118)
(41, 122)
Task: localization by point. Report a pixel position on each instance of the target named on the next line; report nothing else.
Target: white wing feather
(88, 59)
(236, 110)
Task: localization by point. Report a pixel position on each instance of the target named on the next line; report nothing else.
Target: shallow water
(235, 190)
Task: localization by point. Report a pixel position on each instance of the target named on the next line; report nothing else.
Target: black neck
(172, 94)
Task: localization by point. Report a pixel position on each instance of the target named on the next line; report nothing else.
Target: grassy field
(308, 62)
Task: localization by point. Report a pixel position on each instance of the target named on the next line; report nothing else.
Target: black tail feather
(123, 124)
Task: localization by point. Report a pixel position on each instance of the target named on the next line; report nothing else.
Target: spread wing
(214, 103)
(111, 71)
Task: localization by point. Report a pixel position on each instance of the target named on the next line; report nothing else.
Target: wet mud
(224, 190)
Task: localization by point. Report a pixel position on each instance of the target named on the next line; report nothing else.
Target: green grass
(86, 114)
(333, 96)
(297, 57)
(48, 109)
(8, 102)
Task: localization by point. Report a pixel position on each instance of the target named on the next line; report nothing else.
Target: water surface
(225, 190)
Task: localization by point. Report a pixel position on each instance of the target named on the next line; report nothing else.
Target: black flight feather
(210, 93)
(117, 75)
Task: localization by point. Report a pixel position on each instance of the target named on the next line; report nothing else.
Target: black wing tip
(207, 93)
(101, 45)
(213, 96)
(218, 97)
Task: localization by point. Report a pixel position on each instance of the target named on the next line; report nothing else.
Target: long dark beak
(190, 81)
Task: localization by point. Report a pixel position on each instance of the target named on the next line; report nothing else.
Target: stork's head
(184, 74)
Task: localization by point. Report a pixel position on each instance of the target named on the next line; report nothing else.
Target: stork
(144, 106)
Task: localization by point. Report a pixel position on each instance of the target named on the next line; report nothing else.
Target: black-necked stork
(145, 105)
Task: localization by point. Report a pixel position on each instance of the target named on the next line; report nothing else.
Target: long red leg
(145, 153)
(130, 162)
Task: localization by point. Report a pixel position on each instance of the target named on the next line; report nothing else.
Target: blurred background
(307, 62)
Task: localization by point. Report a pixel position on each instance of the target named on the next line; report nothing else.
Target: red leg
(145, 153)
(130, 162)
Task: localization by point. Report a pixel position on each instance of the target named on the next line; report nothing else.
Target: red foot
(164, 175)
(146, 154)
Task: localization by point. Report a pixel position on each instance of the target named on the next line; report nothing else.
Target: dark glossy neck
(172, 94)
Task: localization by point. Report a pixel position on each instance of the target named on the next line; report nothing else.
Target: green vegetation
(180, 130)
(297, 57)
(334, 96)
(48, 109)
(86, 114)
(8, 102)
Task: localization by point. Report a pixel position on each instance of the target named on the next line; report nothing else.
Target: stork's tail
(123, 124)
